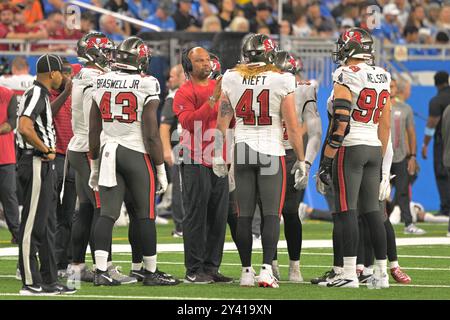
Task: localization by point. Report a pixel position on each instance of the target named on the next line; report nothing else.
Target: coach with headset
(205, 196)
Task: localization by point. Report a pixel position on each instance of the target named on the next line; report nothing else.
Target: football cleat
(159, 278)
(327, 276)
(378, 281)
(399, 276)
(342, 282)
(266, 279)
(102, 278)
(248, 277)
(115, 273)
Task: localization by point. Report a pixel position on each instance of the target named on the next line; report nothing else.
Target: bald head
(201, 63)
(176, 77)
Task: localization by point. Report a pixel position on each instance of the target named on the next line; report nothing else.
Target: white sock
(267, 267)
(359, 267)
(350, 267)
(338, 270)
(78, 267)
(367, 271)
(294, 264)
(136, 266)
(275, 263)
(380, 266)
(101, 260)
(109, 264)
(150, 263)
(393, 264)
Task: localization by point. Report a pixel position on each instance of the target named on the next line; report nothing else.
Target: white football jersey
(121, 98)
(18, 83)
(305, 95)
(370, 88)
(256, 101)
(82, 87)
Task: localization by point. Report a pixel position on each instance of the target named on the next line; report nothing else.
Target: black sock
(147, 230)
(361, 249)
(269, 237)
(244, 240)
(390, 241)
(377, 233)
(293, 234)
(103, 233)
(81, 229)
(338, 247)
(349, 224)
(134, 237)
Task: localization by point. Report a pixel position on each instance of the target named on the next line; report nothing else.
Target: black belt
(31, 152)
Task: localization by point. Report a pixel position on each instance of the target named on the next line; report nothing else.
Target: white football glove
(93, 177)
(385, 187)
(162, 179)
(301, 171)
(220, 168)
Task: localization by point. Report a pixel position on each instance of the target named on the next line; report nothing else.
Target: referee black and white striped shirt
(35, 104)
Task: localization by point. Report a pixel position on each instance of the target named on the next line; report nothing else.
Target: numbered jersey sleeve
(349, 77)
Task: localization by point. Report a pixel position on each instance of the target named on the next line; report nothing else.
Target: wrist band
(430, 131)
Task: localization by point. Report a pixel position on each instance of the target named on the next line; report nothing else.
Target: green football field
(428, 265)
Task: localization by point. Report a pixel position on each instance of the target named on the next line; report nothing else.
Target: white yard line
(178, 247)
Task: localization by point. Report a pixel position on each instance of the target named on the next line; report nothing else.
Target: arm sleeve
(387, 160)
(184, 109)
(312, 119)
(12, 112)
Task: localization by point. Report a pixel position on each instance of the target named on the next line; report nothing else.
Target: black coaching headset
(186, 62)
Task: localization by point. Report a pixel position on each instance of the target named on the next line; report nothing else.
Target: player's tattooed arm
(224, 118)
(150, 132)
(95, 128)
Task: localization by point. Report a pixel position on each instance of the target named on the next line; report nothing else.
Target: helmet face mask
(95, 47)
(259, 48)
(132, 54)
(354, 43)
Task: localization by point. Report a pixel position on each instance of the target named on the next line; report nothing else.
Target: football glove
(301, 171)
(93, 177)
(325, 170)
(162, 179)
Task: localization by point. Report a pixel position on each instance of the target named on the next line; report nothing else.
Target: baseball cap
(441, 77)
(48, 63)
(391, 9)
(166, 6)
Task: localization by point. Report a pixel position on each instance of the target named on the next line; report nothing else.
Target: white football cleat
(266, 279)
(378, 281)
(294, 272)
(342, 282)
(248, 277)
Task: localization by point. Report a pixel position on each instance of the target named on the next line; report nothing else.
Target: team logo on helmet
(352, 36)
(143, 51)
(268, 45)
(100, 42)
(292, 62)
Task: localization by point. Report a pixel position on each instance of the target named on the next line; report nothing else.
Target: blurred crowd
(401, 21)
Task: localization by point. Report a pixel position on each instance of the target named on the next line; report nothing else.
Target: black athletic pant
(356, 180)
(64, 211)
(292, 223)
(401, 184)
(177, 201)
(8, 198)
(135, 174)
(37, 178)
(259, 178)
(85, 218)
(205, 202)
(442, 176)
